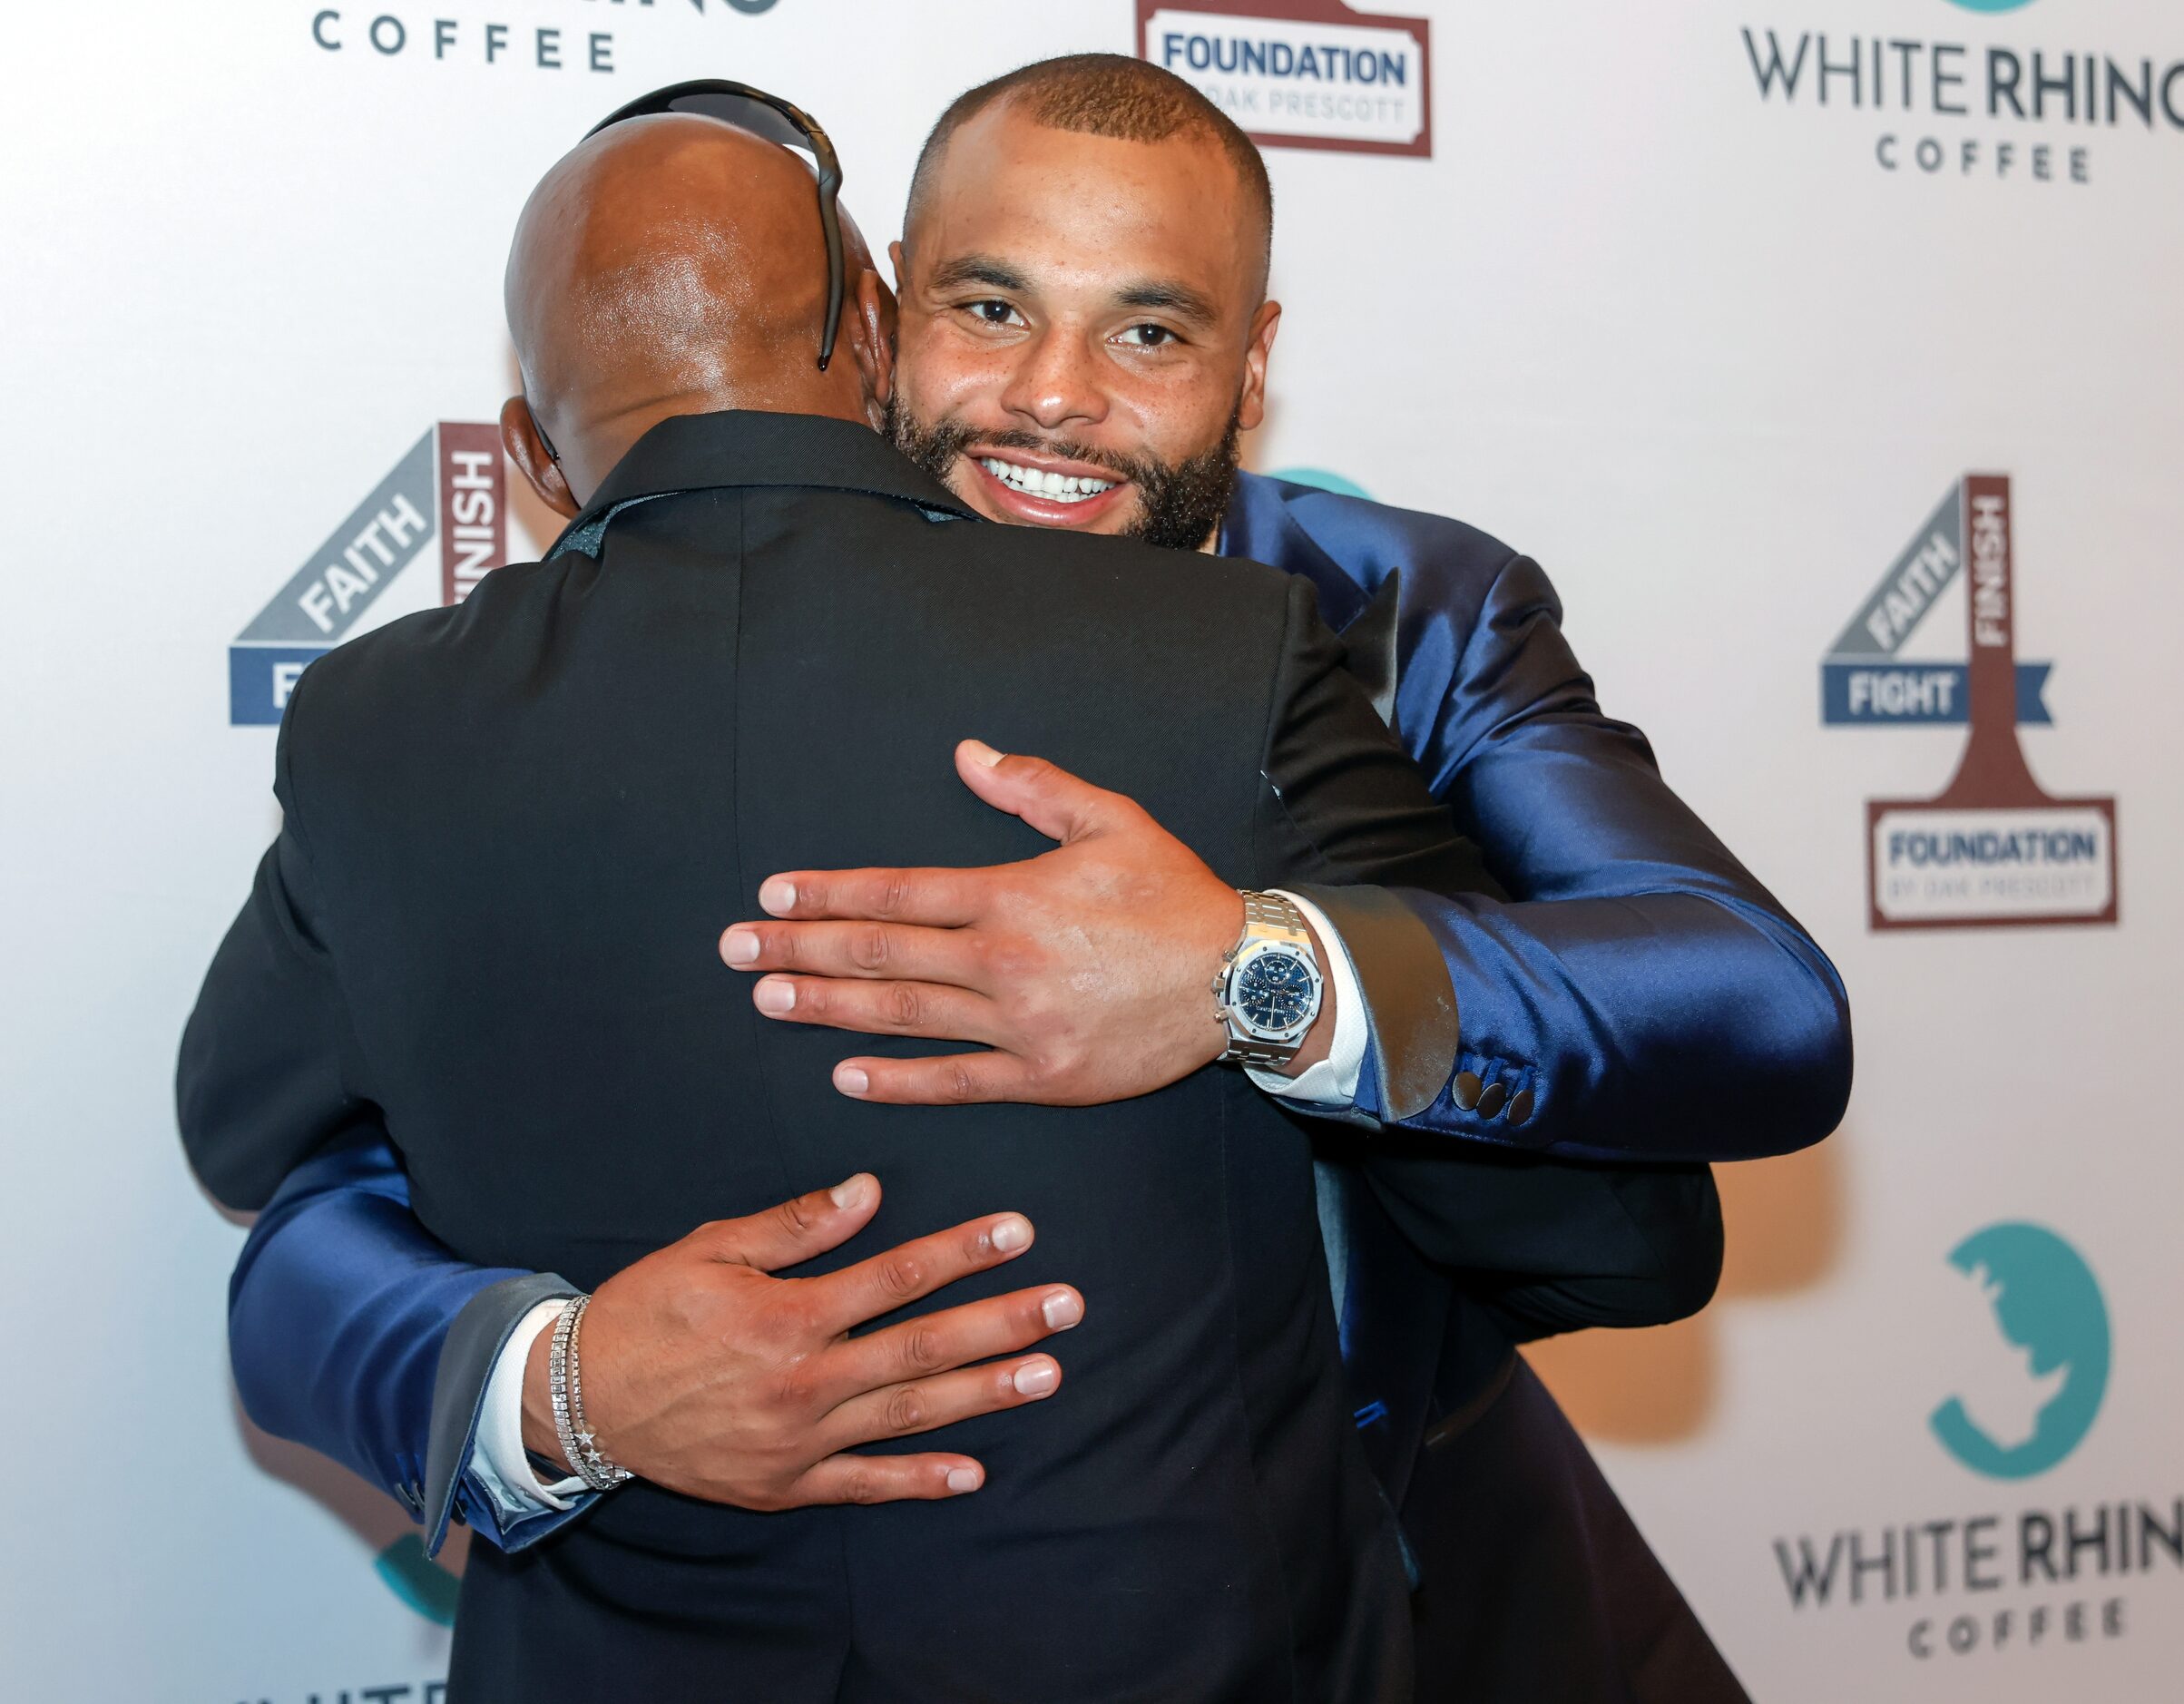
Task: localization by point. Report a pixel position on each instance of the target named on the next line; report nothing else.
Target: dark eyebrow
(978, 269)
(1176, 298)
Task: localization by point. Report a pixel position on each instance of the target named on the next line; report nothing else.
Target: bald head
(670, 265)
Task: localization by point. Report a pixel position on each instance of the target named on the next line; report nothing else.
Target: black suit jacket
(513, 831)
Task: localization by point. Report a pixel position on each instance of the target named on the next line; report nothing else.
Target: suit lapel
(1259, 526)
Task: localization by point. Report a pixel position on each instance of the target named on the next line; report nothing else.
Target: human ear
(871, 315)
(526, 448)
(1251, 404)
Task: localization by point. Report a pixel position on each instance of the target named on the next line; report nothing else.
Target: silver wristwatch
(1269, 986)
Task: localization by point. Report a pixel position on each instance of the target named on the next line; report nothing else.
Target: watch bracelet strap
(1270, 913)
(565, 1385)
(1243, 1050)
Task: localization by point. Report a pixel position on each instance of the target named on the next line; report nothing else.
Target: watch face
(1274, 992)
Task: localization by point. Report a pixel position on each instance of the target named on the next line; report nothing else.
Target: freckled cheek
(944, 373)
(1174, 416)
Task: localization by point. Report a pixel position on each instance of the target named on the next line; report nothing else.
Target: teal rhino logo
(2040, 1385)
(418, 1580)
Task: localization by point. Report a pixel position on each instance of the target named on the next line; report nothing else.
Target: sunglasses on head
(774, 120)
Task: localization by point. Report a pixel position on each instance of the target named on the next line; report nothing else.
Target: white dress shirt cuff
(498, 1458)
(1331, 1085)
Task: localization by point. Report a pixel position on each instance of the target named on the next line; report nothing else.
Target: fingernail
(741, 947)
(776, 896)
(1035, 1378)
(963, 1479)
(849, 1079)
(1012, 1233)
(774, 993)
(852, 1191)
(982, 753)
(1062, 1310)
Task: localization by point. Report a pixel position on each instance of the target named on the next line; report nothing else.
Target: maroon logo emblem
(474, 507)
(1993, 849)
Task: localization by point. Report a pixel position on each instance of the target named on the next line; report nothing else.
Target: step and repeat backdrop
(1828, 354)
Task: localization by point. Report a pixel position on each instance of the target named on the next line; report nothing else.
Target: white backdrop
(1698, 349)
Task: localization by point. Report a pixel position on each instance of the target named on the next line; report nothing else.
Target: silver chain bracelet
(564, 1382)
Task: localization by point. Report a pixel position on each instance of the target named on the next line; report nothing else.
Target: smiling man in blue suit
(1083, 332)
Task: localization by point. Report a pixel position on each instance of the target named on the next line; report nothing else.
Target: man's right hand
(704, 1374)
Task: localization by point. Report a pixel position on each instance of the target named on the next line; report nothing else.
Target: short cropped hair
(1103, 95)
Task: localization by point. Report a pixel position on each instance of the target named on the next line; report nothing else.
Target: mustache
(1180, 504)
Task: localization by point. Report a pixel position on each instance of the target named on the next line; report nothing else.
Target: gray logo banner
(340, 580)
(1908, 590)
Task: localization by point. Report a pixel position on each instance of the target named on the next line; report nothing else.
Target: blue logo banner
(261, 677)
(1893, 694)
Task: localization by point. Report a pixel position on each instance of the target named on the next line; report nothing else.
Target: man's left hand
(1088, 970)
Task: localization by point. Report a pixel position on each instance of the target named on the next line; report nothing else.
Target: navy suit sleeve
(1639, 994)
(339, 1311)
(1550, 1243)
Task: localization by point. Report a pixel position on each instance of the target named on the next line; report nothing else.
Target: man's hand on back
(1088, 970)
(704, 1374)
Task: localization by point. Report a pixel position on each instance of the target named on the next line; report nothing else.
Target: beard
(1178, 503)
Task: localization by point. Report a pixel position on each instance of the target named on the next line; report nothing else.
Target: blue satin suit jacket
(1638, 997)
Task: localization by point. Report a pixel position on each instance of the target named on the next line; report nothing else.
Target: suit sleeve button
(1520, 1107)
(1491, 1101)
(1465, 1092)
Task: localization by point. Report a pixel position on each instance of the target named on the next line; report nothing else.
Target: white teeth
(1039, 483)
